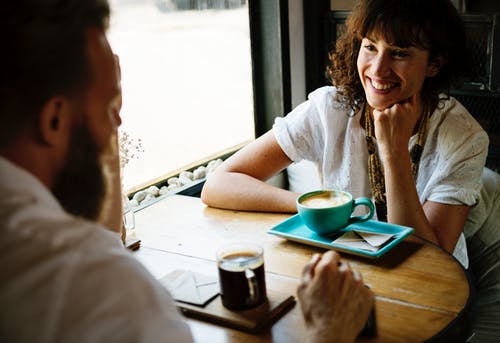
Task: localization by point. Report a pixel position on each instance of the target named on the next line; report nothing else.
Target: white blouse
(323, 131)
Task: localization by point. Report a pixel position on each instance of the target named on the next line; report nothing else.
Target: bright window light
(186, 80)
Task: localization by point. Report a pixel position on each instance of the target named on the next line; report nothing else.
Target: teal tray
(294, 229)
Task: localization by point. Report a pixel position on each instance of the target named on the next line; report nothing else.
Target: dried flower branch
(130, 148)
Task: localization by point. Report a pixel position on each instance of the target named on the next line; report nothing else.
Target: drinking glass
(128, 216)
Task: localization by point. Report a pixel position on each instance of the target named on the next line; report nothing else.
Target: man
(64, 274)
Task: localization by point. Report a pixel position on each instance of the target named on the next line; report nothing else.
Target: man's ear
(54, 121)
(435, 66)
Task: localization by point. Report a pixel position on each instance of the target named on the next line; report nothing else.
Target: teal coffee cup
(326, 211)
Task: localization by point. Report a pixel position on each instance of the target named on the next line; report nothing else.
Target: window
(186, 81)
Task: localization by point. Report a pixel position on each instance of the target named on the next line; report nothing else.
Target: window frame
(269, 41)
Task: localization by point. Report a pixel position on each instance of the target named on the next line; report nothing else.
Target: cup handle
(253, 287)
(365, 202)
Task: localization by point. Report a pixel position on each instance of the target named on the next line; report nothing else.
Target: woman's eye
(400, 53)
(369, 47)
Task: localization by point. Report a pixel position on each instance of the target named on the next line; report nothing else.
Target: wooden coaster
(253, 320)
(132, 243)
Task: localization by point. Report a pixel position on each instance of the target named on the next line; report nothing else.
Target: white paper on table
(370, 241)
(191, 287)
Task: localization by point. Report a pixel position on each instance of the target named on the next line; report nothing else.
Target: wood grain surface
(420, 289)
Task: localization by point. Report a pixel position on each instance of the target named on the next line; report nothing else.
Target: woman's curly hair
(432, 25)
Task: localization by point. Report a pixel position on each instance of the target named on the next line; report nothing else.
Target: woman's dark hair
(432, 25)
(43, 55)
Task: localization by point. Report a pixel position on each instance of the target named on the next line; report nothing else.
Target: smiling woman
(187, 82)
(386, 129)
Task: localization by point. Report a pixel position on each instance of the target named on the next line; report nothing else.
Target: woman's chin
(380, 106)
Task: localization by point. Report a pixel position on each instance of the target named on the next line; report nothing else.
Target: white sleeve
(128, 305)
(301, 134)
(294, 133)
(460, 153)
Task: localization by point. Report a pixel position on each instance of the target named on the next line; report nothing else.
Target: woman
(385, 129)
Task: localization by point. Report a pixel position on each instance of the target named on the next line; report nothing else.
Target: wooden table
(419, 288)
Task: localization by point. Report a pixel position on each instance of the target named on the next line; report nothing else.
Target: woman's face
(391, 74)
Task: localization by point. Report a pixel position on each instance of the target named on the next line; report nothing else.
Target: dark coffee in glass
(241, 276)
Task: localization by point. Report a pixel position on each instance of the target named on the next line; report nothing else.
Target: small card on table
(370, 241)
(190, 287)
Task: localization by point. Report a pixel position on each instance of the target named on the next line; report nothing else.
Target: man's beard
(81, 185)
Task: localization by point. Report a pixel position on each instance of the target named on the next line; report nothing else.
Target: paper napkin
(370, 241)
(191, 287)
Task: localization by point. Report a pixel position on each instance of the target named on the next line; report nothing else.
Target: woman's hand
(394, 126)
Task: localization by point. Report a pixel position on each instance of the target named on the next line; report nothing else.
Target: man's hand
(111, 212)
(335, 302)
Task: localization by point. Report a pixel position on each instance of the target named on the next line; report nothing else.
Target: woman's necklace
(375, 168)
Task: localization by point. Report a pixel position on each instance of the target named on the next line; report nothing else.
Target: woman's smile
(381, 85)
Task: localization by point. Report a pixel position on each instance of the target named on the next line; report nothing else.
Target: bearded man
(64, 273)
(63, 276)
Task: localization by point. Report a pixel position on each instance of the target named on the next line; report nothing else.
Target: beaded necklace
(375, 168)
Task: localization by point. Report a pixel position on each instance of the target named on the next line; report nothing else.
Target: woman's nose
(381, 65)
